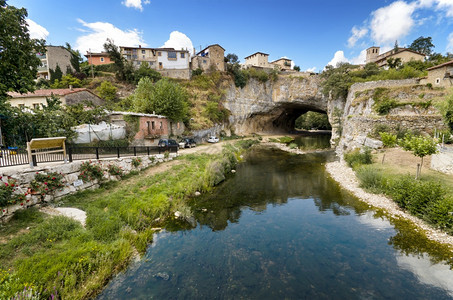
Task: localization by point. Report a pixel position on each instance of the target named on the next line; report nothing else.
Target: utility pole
(91, 60)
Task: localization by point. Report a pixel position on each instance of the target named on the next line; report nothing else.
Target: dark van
(168, 145)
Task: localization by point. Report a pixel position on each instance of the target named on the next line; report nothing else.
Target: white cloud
(99, 32)
(137, 4)
(450, 43)
(392, 22)
(357, 34)
(36, 31)
(178, 41)
(446, 5)
(360, 59)
(337, 58)
(311, 70)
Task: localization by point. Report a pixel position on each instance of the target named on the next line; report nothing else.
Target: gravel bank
(345, 176)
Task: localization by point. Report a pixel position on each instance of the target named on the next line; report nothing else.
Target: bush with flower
(115, 170)
(90, 172)
(136, 161)
(47, 183)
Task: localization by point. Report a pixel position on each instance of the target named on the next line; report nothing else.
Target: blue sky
(312, 33)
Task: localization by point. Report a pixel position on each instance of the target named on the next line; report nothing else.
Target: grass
(58, 257)
(429, 198)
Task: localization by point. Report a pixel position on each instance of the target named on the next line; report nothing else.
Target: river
(280, 228)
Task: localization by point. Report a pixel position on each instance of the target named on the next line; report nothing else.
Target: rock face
(273, 107)
(360, 121)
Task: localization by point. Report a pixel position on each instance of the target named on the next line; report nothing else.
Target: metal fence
(19, 156)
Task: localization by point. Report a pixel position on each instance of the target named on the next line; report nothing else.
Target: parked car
(187, 143)
(167, 145)
(213, 139)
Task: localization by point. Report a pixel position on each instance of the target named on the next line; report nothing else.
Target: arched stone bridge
(273, 107)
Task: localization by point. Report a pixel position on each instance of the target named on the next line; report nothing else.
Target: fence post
(135, 151)
(118, 151)
(97, 152)
(70, 154)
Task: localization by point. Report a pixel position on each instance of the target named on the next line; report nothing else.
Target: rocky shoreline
(346, 178)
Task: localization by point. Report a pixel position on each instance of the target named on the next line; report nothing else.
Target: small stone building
(258, 59)
(283, 64)
(69, 96)
(441, 75)
(150, 127)
(211, 57)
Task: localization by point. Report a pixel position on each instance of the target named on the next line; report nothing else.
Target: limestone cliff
(394, 105)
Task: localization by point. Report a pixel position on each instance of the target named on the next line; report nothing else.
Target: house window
(143, 51)
(204, 61)
(160, 64)
(172, 55)
(437, 80)
(159, 53)
(102, 59)
(143, 56)
(35, 105)
(21, 106)
(161, 126)
(148, 125)
(183, 55)
(153, 126)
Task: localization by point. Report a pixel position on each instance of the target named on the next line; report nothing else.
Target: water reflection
(280, 228)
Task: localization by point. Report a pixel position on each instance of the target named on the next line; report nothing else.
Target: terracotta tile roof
(47, 93)
(441, 65)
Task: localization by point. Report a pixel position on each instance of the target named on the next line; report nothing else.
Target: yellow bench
(54, 144)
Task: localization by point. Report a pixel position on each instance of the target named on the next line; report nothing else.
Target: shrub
(292, 145)
(384, 107)
(91, 172)
(197, 72)
(356, 158)
(114, 170)
(47, 183)
(136, 161)
(415, 195)
(285, 139)
(389, 140)
(440, 213)
(6, 191)
(371, 179)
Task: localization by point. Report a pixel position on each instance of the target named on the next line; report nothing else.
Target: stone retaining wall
(71, 174)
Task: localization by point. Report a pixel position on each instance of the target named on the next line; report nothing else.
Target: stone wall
(71, 171)
(175, 73)
(80, 96)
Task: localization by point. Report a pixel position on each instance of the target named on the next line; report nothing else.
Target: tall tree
(124, 71)
(231, 58)
(18, 61)
(423, 45)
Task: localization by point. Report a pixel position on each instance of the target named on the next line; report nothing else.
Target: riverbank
(55, 256)
(347, 179)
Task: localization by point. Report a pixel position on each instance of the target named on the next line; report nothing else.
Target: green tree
(389, 140)
(231, 58)
(18, 61)
(67, 81)
(313, 120)
(145, 71)
(396, 47)
(124, 70)
(447, 111)
(107, 91)
(419, 146)
(394, 63)
(423, 45)
(164, 97)
(337, 80)
(297, 68)
(55, 74)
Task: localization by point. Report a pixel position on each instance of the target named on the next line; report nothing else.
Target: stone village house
(261, 60)
(97, 59)
(55, 55)
(211, 57)
(150, 127)
(440, 75)
(69, 96)
(167, 61)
